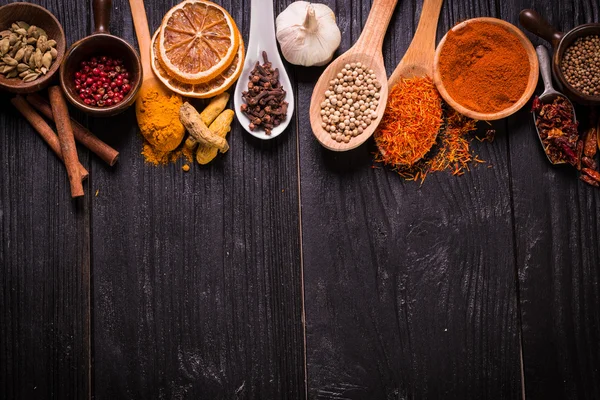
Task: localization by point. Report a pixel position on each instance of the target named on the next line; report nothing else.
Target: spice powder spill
(410, 123)
(484, 67)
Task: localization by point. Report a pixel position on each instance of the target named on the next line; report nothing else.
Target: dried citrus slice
(204, 90)
(197, 41)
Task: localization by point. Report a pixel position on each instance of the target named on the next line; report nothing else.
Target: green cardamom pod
(54, 53)
(41, 32)
(51, 43)
(23, 25)
(20, 54)
(10, 61)
(4, 46)
(21, 32)
(12, 38)
(31, 40)
(31, 61)
(12, 74)
(22, 67)
(47, 60)
(14, 26)
(24, 74)
(30, 77)
(28, 53)
(38, 58)
(42, 43)
(31, 29)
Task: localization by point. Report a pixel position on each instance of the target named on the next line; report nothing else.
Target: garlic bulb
(307, 33)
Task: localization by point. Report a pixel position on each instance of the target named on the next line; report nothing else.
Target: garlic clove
(308, 34)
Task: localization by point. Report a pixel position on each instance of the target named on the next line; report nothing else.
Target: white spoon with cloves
(261, 109)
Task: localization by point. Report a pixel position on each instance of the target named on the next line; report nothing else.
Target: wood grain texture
(44, 258)
(410, 290)
(196, 275)
(557, 226)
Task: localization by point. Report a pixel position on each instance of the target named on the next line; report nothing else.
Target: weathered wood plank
(197, 275)
(44, 258)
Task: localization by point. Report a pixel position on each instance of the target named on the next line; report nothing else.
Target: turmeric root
(220, 127)
(190, 118)
(209, 114)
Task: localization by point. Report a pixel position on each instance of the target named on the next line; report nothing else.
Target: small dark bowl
(536, 24)
(38, 16)
(98, 44)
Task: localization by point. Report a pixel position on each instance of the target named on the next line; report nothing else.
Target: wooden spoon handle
(138, 12)
(371, 38)
(422, 48)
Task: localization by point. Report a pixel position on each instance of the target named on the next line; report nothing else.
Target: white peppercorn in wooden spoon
(367, 51)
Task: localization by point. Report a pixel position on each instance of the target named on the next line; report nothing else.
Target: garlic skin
(308, 34)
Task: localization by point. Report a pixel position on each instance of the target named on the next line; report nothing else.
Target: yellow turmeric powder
(158, 118)
(157, 157)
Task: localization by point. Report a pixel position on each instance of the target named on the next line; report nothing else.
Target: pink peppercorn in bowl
(95, 65)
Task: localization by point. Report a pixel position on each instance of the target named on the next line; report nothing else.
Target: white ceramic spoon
(262, 38)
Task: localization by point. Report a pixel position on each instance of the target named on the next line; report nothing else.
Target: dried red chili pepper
(595, 175)
(579, 154)
(588, 162)
(558, 129)
(589, 180)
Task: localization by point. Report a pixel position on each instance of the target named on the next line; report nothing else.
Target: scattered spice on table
(411, 122)
(350, 103)
(102, 81)
(452, 151)
(558, 129)
(581, 65)
(26, 52)
(265, 103)
(484, 67)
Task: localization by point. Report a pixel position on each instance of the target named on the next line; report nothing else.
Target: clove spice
(265, 105)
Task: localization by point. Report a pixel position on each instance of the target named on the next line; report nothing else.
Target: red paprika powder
(484, 67)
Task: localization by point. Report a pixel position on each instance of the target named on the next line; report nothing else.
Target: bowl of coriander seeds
(576, 59)
(32, 46)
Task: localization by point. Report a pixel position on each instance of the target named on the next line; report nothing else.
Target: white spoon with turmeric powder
(156, 108)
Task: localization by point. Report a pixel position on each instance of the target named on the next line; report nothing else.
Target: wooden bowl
(531, 83)
(38, 16)
(533, 22)
(101, 43)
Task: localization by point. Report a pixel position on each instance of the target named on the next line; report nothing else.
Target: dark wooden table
(284, 271)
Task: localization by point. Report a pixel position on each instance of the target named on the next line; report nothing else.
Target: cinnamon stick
(82, 134)
(43, 129)
(66, 139)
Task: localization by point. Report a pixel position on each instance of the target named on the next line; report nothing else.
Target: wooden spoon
(151, 82)
(367, 50)
(418, 59)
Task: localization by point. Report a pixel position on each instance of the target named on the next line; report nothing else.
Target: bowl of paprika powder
(485, 68)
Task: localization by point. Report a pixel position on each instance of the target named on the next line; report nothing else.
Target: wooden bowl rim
(25, 87)
(531, 83)
(102, 111)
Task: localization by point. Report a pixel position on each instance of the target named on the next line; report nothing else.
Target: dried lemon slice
(204, 90)
(197, 41)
